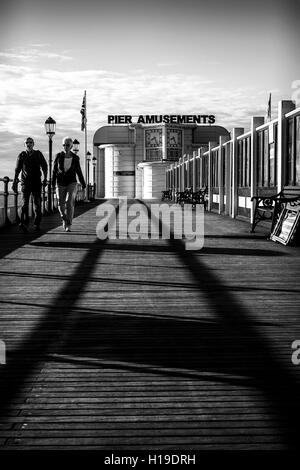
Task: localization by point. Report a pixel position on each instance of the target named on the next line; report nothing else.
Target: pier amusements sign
(161, 119)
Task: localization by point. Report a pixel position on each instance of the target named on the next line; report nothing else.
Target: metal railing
(10, 205)
(91, 191)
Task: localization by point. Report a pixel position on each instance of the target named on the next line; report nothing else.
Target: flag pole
(85, 147)
(269, 108)
(84, 128)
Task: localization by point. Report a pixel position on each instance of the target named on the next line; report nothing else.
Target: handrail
(8, 220)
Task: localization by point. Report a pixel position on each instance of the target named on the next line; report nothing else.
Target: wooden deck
(124, 344)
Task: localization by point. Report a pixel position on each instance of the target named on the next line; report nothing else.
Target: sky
(136, 57)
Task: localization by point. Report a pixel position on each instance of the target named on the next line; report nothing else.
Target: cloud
(33, 54)
(41, 45)
(167, 64)
(29, 95)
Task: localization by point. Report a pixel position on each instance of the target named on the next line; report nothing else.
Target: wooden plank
(151, 440)
(128, 344)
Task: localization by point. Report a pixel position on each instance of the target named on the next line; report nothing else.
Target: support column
(255, 122)
(234, 195)
(188, 177)
(194, 171)
(211, 145)
(182, 173)
(228, 194)
(164, 140)
(200, 153)
(221, 177)
(100, 172)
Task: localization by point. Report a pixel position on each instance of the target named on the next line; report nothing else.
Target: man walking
(29, 163)
(66, 169)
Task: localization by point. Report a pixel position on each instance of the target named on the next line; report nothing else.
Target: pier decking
(140, 344)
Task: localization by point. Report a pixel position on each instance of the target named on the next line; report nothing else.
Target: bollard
(16, 195)
(6, 180)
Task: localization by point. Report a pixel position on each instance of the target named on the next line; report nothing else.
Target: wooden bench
(200, 197)
(269, 207)
(188, 196)
(184, 197)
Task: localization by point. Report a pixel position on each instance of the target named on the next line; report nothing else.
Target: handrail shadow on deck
(166, 248)
(39, 343)
(278, 384)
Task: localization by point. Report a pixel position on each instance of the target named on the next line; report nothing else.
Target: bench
(188, 196)
(166, 195)
(200, 197)
(184, 197)
(269, 207)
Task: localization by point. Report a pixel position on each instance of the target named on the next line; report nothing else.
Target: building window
(154, 155)
(157, 148)
(223, 160)
(293, 160)
(240, 163)
(266, 159)
(153, 144)
(243, 162)
(297, 156)
(174, 154)
(205, 170)
(215, 169)
(260, 146)
(174, 143)
(273, 157)
(191, 173)
(267, 154)
(185, 174)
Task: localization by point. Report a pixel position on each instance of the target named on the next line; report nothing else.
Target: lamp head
(50, 126)
(76, 144)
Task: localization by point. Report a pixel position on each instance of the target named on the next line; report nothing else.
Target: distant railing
(10, 201)
(90, 192)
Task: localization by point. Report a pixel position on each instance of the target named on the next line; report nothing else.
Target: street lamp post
(94, 161)
(76, 146)
(88, 159)
(50, 131)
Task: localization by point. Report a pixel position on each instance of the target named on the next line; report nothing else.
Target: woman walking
(65, 169)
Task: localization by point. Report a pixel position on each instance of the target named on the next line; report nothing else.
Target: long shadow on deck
(43, 338)
(12, 238)
(166, 248)
(231, 345)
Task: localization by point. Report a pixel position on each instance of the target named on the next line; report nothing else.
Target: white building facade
(131, 160)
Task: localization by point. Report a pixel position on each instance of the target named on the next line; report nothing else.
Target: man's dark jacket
(30, 166)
